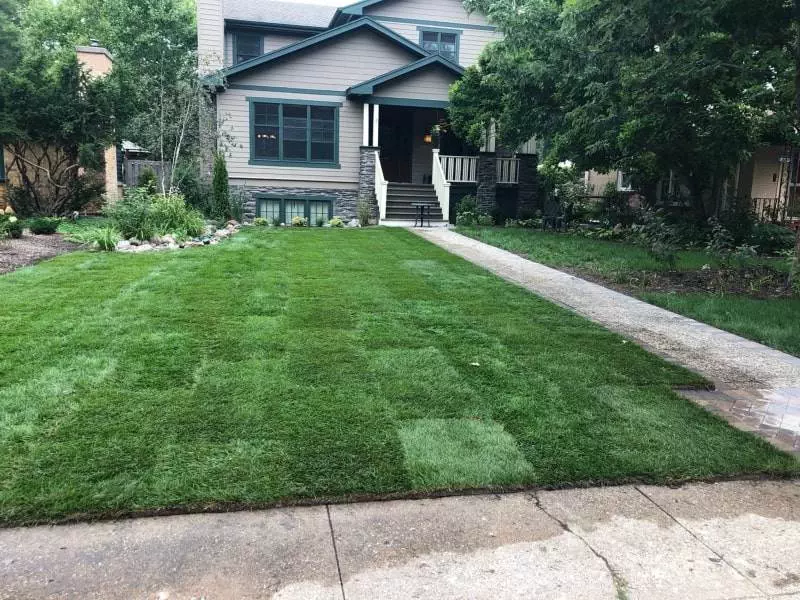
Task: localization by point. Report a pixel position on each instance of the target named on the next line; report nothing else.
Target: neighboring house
(98, 62)
(770, 179)
(324, 108)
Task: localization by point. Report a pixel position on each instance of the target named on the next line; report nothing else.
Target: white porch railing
(381, 187)
(459, 169)
(441, 185)
(507, 170)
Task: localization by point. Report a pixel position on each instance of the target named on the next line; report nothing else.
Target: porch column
(487, 182)
(375, 113)
(365, 135)
(528, 186)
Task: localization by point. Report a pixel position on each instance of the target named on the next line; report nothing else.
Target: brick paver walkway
(758, 388)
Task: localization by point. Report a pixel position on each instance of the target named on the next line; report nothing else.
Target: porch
(415, 159)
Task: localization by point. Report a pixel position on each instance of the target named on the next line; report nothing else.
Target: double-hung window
(442, 42)
(247, 45)
(295, 134)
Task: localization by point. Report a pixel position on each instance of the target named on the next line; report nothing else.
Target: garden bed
(30, 249)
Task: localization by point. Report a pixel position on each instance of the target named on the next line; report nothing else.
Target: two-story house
(323, 108)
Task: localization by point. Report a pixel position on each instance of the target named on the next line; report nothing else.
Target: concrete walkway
(758, 388)
(705, 541)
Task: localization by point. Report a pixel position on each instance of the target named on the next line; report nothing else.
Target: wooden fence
(132, 169)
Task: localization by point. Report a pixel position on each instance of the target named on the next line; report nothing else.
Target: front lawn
(764, 318)
(309, 364)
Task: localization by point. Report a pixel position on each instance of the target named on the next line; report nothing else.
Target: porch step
(400, 200)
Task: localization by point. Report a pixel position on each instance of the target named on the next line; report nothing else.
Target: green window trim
(252, 35)
(439, 31)
(280, 161)
(266, 207)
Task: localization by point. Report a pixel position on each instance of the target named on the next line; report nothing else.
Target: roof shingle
(274, 11)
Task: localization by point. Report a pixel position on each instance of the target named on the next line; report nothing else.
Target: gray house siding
(430, 83)
(210, 35)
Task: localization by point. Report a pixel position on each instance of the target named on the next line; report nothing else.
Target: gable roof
(351, 11)
(278, 13)
(363, 23)
(366, 88)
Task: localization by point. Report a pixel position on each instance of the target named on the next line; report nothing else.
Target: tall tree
(642, 85)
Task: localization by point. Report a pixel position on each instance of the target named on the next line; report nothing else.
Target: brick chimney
(95, 59)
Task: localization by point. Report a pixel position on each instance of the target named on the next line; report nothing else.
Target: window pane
(318, 210)
(269, 209)
(322, 133)
(265, 130)
(295, 132)
(248, 45)
(430, 41)
(447, 46)
(295, 208)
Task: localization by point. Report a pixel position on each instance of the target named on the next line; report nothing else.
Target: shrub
(260, 222)
(336, 222)
(170, 213)
(485, 220)
(43, 225)
(468, 204)
(220, 192)
(276, 222)
(615, 208)
(196, 192)
(720, 243)
(105, 238)
(769, 238)
(131, 214)
(658, 237)
(363, 212)
(142, 215)
(10, 226)
(320, 221)
(299, 222)
(466, 219)
(147, 179)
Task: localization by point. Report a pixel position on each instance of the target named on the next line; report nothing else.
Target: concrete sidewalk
(758, 388)
(725, 540)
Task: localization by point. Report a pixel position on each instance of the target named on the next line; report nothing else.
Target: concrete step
(387, 222)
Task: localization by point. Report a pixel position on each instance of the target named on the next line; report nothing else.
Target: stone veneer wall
(366, 178)
(344, 201)
(528, 188)
(487, 182)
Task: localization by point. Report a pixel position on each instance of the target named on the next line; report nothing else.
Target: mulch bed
(756, 282)
(30, 249)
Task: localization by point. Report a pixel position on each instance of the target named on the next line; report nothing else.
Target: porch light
(428, 138)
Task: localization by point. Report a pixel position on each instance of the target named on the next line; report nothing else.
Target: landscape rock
(353, 223)
(123, 245)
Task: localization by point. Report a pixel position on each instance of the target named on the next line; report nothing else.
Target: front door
(395, 140)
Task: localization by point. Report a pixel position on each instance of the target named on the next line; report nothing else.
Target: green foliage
(485, 220)
(53, 111)
(336, 222)
(299, 222)
(147, 179)
(103, 238)
(276, 222)
(615, 208)
(658, 237)
(196, 191)
(467, 211)
(260, 222)
(642, 85)
(770, 238)
(43, 225)
(220, 192)
(142, 215)
(363, 212)
(721, 243)
(10, 226)
(170, 213)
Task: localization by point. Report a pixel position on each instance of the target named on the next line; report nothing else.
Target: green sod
(308, 364)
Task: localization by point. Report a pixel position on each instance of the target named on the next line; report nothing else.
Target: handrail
(460, 169)
(441, 186)
(381, 187)
(507, 170)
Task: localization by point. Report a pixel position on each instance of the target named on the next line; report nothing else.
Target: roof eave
(366, 88)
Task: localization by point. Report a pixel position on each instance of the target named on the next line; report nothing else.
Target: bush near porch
(301, 365)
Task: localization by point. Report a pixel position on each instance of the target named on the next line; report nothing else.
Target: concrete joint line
(335, 551)
(691, 533)
(620, 585)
